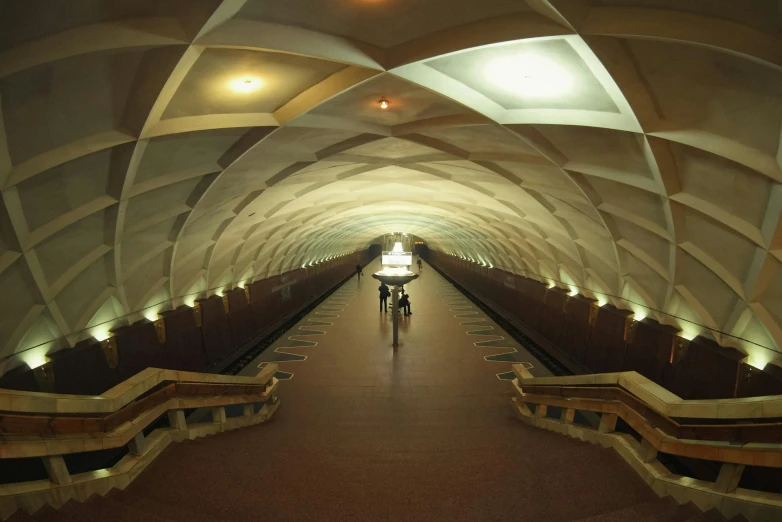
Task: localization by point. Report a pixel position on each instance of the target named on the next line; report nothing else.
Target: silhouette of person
(420, 265)
(358, 271)
(385, 293)
(404, 303)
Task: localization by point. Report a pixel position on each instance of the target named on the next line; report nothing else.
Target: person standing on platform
(358, 272)
(420, 264)
(385, 293)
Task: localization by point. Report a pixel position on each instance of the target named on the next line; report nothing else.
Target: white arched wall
(134, 179)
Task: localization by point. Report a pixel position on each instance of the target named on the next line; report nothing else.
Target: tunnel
(188, 184)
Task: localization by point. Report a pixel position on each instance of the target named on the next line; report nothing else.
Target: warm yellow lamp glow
(688, 333)
(101, 333)
(245, 84)
(34, 358)
(758, 360)
(529, 75)
(151, 314)
(383, 104)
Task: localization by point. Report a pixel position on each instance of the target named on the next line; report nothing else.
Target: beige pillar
(176, 418)
(729, 477)
(57, 470)
(607, 423)
(540, 411)
(248, 410)
(567, 415)
(218, 414)
(138, 445)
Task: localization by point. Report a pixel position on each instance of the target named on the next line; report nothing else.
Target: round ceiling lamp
(383, 103)
(245, 85)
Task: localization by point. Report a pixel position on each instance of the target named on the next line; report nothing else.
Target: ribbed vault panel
(377, 22)
(470, 68)
(206, 88)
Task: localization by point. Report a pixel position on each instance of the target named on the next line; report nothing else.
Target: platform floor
(367, 432)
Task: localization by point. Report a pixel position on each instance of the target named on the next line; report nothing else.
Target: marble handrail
(660, 399)
(12, 401)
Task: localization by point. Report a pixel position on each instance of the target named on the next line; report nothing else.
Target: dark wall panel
(532, 296)
(215, 329)
(552, 315)
(757, 383)
(649, 351)
(20, 378)
(574, 337)
(607, 340)
(706, 371)
(138, 348)
(239, 316)
(83, 370)
(184, 344)
(263, 310)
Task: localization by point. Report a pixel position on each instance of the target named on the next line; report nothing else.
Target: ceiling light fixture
(245, 85)
(529, 75)
(383, 104)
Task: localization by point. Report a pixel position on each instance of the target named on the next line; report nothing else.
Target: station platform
(369, 432)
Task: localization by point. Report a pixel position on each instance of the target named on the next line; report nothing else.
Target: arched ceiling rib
(132, 175)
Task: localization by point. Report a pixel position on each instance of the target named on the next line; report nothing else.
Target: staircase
(734, 434)
(662, 510)
(128, 506)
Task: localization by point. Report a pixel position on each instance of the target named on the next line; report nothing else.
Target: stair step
(21, 516)
(138, 514)
(711, 515)
(97, 508)
(49, 514)
(76, 510)
(631, 514)
(161, 509)
(674, 512)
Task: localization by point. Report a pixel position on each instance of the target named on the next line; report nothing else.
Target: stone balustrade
(51, 426)
(734, 432)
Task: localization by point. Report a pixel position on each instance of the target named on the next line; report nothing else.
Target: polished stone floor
(368, 432)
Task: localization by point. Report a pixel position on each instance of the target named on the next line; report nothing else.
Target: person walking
(358, 272)
(404, 303)
(420, 264)
(385, 293)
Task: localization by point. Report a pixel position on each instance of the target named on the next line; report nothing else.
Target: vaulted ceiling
(152, 152)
